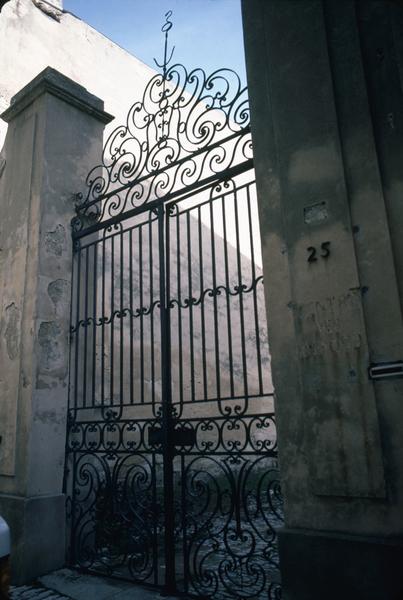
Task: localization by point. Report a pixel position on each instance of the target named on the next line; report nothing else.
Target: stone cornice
(52, 82)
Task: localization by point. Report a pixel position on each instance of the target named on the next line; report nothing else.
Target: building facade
(38, 34)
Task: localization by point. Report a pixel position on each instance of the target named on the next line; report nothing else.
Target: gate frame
(93, 215)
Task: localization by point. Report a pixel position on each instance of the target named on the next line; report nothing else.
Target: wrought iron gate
(171, 468)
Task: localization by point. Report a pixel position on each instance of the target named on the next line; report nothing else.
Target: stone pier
(54, 137)
(325, 85)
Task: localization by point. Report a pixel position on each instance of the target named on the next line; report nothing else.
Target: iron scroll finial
(165, 29)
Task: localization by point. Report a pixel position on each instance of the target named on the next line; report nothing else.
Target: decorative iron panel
(171, 454)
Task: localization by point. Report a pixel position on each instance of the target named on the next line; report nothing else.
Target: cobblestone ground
(67, 584)
(35, 592)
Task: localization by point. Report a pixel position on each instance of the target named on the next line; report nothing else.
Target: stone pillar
(325, 85)
(54, 136)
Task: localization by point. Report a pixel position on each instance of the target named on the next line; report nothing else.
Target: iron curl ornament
(189, 130)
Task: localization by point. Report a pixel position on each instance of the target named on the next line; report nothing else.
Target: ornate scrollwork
(232, 435)
(113, 514)
(235, 290)
(232, 508)
(188, 128)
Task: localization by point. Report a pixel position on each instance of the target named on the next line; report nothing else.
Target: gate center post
(167, 433)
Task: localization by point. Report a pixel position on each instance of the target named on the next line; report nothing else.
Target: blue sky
(206, 33)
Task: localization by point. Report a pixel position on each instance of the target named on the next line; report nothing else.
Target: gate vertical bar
(167, 446)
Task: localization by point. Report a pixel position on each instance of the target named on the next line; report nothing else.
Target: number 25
(325, 247)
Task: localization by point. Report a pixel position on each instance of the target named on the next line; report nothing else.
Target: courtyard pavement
(66, 584)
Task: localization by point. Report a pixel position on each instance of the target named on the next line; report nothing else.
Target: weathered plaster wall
(326, 95)
(335, 316)
(35, 40)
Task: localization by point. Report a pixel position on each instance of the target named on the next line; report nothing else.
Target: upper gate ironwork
(188, 130)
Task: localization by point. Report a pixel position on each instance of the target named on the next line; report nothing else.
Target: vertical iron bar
(94, 324)
(227, 283)
(241, 308)
(131, 354)
(178, 280)
(184, 528)
(85, 327)
(254, 291)
(73, 454)
(71, 338)
(141, 313)
(77, 336)
(155, 516)
(121, 365)
(216, 334)
(111, 360)
(73, 512)
(150, 245)
(190, 292)
(103, 326)
(203, 324)
(170, 579)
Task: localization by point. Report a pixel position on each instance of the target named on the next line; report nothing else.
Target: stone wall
(54, 135)
(325, 84)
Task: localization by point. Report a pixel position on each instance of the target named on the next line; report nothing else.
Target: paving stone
(82, 586)
(66, 584)
(26, 592)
